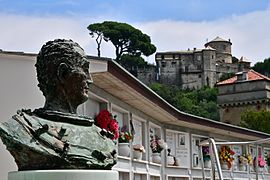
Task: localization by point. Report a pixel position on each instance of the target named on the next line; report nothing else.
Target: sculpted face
(76, 81)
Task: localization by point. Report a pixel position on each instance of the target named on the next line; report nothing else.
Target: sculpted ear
(62, 72)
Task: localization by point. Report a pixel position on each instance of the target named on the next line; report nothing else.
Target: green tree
(263, 67)
(96, 31)
(124, 37)
(256, 120)
(235, 59)
(201, 102)
(131, 63)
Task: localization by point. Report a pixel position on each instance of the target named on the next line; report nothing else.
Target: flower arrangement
(250, 159)
(138, 147)
(125, 136)
(225, 155)
(106, 121)
(206, 154)
(157, 144)
(242, 159)
(261, 161)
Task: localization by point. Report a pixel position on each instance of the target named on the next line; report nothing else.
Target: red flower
(113, 127)
(105, 121)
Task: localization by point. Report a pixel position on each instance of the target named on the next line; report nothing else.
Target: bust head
(63, 75)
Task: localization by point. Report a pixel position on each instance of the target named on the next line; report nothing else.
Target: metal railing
(215, 163)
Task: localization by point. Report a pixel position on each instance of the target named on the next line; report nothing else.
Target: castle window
(173, 56)
(199, 58)
(173, 63)
(186, 68)
(212, 56)
(162, 56)
(199, 67)
(163, 64)
(199, 75)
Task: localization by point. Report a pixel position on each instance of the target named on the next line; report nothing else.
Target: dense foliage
(202, 102)
(256, 120)
(235, 59)
(263, 67)
(132, 63)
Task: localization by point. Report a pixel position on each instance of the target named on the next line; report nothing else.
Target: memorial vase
(156, 158)
(124, 149)
(207, 164)
(137, 155)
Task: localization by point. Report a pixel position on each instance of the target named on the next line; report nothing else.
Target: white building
(122, 94)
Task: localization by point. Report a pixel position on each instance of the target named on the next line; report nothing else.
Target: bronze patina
(55, 137)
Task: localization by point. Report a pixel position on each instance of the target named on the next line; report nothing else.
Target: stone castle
(193, 69)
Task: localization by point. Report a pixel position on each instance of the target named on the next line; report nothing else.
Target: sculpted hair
(51, 55)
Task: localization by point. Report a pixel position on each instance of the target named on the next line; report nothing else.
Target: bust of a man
(55, 137)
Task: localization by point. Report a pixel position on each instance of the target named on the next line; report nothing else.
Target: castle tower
(209, 67)
(223, 49)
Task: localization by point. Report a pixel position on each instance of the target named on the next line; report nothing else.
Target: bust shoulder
(60, 141)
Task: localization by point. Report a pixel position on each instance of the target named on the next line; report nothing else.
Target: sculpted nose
(89, 80)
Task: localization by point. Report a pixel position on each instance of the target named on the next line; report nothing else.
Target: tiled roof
(251, 76)
(243, 59)
(218, 39)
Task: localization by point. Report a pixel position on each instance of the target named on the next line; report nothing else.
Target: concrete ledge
(64, 175)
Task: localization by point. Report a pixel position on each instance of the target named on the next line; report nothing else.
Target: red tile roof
(251, 76)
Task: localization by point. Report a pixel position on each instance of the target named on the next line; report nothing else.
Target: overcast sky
(172, 24)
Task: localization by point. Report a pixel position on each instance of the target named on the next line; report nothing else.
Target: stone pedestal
(64, 175)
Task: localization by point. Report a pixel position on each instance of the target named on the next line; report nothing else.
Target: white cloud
(28, 34)
(249, 33)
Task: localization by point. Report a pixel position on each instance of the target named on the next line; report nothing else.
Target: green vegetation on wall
(256, 120)
(201, 102)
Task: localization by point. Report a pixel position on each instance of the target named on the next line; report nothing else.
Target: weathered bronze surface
(55, 137)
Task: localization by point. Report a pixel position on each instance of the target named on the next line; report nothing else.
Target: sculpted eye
(85, 66)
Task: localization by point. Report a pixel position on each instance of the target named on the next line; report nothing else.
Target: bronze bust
(55, 137)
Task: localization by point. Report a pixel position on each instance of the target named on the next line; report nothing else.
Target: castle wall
(232, 114)
(246, 91)
(147, 75)
(221, 46)
(191, 81)
(224, 57)
(191, 71)
(170, 66)
(236, 98)
(183, 69)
